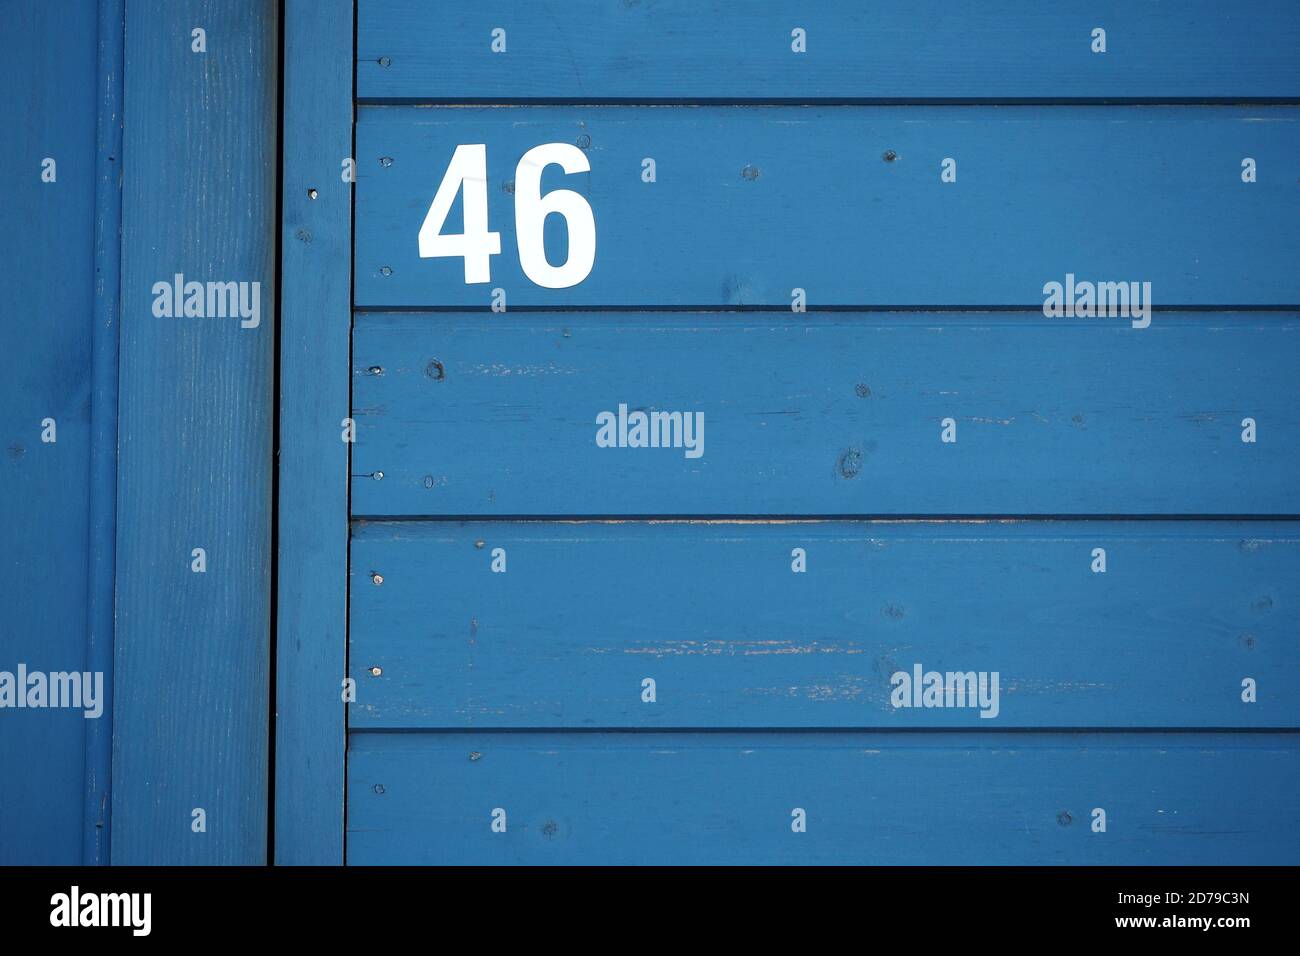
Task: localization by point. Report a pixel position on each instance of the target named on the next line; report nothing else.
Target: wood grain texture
(751, 203)
(47, 69)
(313, 460)
(827, 415)
(523, 690)
(192, 659)
(732, 637)
(973, 798)
(899, 49)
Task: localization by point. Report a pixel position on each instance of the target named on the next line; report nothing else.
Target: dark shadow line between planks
(784, 309)
(849, 101)
(919, 518)
(838, 731)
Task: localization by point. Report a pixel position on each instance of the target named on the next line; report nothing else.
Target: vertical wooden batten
(192, 655)
(312, 510)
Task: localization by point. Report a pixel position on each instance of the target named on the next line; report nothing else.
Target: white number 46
(476, 245)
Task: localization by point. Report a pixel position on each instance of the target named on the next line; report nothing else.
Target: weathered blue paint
(47, 70)
(97, 827)
(480, 691)
(313, 459)
(497, 680)
(733, 637)
(899, 49)
(972, 798)
(191, 715)
(828, 415)
(750, 204)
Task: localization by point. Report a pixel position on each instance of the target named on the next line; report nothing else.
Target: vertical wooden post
(191, 714)
(315, 377)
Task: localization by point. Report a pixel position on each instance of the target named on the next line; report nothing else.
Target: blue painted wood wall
(162, 159)
(48, 57)
(500, 587)
(573, 653)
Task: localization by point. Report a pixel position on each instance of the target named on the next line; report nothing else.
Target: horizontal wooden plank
(1209, 799)
(827, 415)
(732, 636)
(848, 204)
(893, 49)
